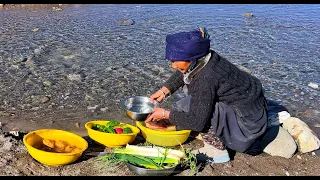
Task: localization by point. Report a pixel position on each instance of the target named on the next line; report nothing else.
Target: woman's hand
(157, 115)
(159, 95)
(159, 119)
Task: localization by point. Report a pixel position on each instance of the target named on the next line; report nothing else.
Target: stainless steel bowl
(138, 107)
(150, 172)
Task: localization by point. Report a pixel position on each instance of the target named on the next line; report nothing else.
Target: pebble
(56, 9)
(287, 173)
(126, 22)
(35, 29)
(313, 85)
(35, 108)
(46, 83)
(44, 99)
(92, 107)
(248, 14)
(74, 77)
(103, 109)
(37, 51)
(77, 125)
(15, 133)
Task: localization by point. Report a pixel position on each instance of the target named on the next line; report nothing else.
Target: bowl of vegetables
(142, 171)
(147, 160)
(162, 137)
(111, 133)
(54, 147)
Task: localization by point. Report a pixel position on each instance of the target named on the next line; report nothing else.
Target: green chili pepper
(109, 130)
(98, 127)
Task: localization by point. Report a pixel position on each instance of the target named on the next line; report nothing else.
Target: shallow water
(89, 60)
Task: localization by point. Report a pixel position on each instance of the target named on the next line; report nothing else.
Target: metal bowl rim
(157, 104)
(137, 168)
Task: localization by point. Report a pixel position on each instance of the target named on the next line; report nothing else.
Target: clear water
(280, 45)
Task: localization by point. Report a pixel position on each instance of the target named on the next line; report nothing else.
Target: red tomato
(118, 130)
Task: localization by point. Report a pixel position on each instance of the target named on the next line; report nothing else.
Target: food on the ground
(58, 146)
(113, 127)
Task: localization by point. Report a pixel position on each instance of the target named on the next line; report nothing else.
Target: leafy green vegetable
(148, 157)
(108, 128)
(112, 123)
(127, 130)
(139, 160)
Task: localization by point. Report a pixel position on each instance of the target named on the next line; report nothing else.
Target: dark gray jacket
(218, 81)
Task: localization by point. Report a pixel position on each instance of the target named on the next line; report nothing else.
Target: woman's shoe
(211, 154)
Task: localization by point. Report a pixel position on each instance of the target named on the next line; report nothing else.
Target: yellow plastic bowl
(108, 139)
(163, 138)
(33, 140)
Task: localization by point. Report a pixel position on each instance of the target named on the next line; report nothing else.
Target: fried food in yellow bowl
(111, 140)
(161, 137)
(54, 147)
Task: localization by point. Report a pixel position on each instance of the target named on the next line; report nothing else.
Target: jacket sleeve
(174, 82)
(201, 108)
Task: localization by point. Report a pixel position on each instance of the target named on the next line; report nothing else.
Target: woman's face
(182, 66)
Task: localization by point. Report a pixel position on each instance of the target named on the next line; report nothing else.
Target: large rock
(278, 118)
(305, 138)
(278, 142)
(126, 22)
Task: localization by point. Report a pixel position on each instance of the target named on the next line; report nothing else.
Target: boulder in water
(126, 22)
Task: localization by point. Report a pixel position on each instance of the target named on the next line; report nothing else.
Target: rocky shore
(15, 161)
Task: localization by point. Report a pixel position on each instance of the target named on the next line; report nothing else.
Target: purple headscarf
(185, 46)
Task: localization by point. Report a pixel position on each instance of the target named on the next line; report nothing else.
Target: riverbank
(16, 161)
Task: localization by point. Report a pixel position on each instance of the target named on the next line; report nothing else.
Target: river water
(81, 57)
